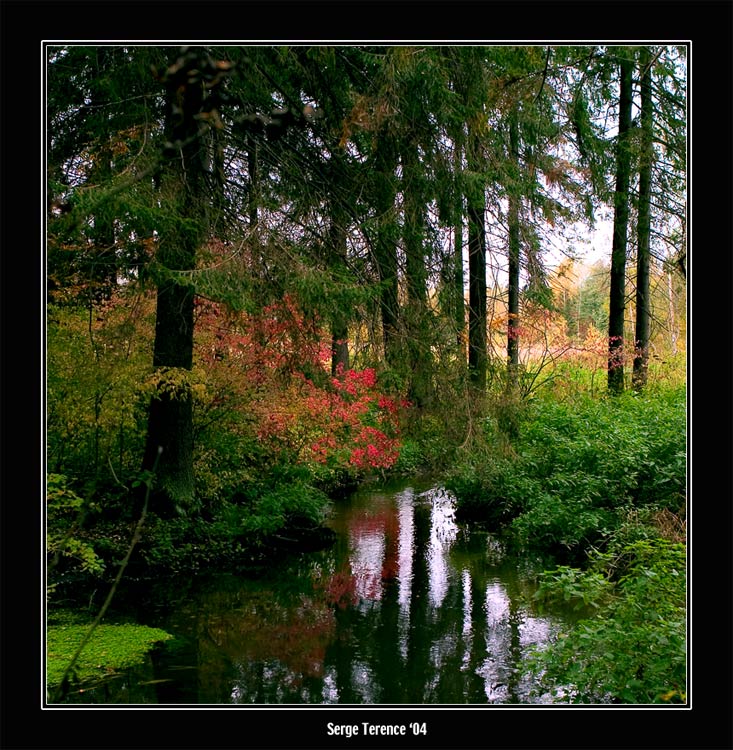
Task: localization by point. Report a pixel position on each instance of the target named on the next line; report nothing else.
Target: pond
(406, 607)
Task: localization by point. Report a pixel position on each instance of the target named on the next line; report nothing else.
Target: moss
(110, 649)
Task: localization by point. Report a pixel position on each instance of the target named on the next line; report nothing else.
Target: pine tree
(643, 227)
(191, 82)
(617, 306)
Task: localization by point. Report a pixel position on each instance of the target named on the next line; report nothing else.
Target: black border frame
(708, 25)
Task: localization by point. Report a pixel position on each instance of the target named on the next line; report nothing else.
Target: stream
(407, 607)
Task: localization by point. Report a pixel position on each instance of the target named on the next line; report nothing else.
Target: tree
(327, 78)
(643, 227)
(416, 313)
(101, 124)
(617, 300)
(539, 189)
(421, 87)
(385, 249)
(513, 269)
(191, 84)
(459, 312)
(475, 192)
(476, 202)
(338, 260)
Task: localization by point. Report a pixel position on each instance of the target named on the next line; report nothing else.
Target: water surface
(407, 607)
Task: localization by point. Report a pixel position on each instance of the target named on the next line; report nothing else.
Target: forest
(277, 274)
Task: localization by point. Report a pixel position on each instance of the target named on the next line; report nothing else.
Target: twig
(108, 600)
(544, 74)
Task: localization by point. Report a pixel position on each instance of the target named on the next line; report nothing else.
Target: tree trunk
(513, 271)
(617, 302)
(386, 247)
(337, 259)
(671, 320)
(170, 419)
(416, 316)
(643, 297)
(460, 312)
(477, 354)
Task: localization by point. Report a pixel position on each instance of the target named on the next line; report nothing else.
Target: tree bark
(416, 317)
(386, 247)
(617, 301)
(477, 353)
(513, 266)
(643, 259)
(170, 418)
(460, 311)
(337, 259)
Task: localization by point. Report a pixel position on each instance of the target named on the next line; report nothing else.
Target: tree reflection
(405, 608)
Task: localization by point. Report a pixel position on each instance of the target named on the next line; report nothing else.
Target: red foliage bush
(274, 367)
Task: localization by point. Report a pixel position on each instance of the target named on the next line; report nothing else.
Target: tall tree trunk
(671, 319)
(416, 315)
(460, 311)
(252, 168)
(170, 420)
(476, 200)
(337, 260)
(386, 247)
(643, 296)
(617, 301)
(513, 270)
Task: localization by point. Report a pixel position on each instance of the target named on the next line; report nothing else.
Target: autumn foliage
(273, 369)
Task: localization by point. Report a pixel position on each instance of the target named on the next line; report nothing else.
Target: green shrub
(411, 458)
(576, 468)
(65, 536)
(493, 490)
(630, 448)
(236, 533)
(283, 505)
(633, 649)
(565, 527)
(97, 363)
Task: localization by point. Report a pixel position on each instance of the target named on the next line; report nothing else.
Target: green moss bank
(110, 649)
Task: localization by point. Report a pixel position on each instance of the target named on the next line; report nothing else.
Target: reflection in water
(406, 608)
(467, 626)
(366, 561)
(405, 547)
(406, 531)
(462, 624)
(443, 532)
